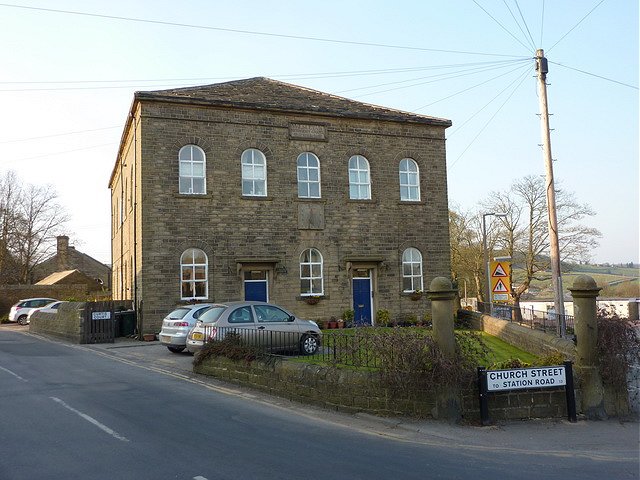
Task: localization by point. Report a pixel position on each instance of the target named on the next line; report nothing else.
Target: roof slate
(267, 94)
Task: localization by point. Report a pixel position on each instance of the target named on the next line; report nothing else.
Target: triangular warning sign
(500, 287)
(499, 271)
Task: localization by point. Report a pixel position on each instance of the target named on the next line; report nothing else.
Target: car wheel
(309, 344)
(176, 349)
(22, 319)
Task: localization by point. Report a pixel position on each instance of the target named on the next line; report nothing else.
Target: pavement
(611, 439)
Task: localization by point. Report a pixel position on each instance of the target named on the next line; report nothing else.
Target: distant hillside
(615, 281)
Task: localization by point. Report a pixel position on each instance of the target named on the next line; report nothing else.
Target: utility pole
(543, 68)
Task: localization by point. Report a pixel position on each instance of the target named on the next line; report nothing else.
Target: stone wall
(352, 391)
(66, 324)
(530, 340)
(633, 381)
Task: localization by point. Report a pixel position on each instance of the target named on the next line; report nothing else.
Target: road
(76, 412)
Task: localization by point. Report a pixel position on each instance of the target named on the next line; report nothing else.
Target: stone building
(68, 258)
(258, 189)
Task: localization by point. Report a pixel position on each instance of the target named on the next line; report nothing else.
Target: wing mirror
(292, 318)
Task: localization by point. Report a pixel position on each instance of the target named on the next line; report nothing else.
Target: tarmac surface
(612, 439)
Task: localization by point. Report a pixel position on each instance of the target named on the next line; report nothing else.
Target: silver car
(176, 325)
(257, 323)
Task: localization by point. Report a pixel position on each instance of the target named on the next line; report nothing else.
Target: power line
(289, 75)
(542, 23)
(501, 26)
(60, 134)
(467, 89)
(450, 134)
(488, 122)
(296, 76)
(61, 153)
(594, 75)
(575, 26)
(442, 76)
(532, 44)
(251, 32)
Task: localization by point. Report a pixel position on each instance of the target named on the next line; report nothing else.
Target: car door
(241, 321)
(275, 327)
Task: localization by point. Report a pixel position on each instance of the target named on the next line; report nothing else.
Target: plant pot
(149, 337)
(311, 300)
(415, 296)
(332, 324)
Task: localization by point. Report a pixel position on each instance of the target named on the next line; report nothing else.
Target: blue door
(255, 290)
(362, 301)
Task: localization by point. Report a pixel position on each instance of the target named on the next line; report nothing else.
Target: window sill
(258, 198)
(192, 195)
(311, 200)
(362, 200)
(412, 202)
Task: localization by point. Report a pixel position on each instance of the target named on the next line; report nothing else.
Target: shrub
(617, 346)
(347, 316)
(410, 359)
(511, 363)
(232, 347)
(383, 317)
(555, 358)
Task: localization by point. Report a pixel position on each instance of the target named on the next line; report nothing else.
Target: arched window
(411, 270)
(308, 176)
(254, 173)
(409, 180)
(311, 282)
(359, 180)
(192, 170)
(194, 272)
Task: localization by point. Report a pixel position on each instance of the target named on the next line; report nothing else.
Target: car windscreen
(212, 315)
(178, 313)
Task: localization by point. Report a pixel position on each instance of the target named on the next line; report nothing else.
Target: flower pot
(332, 324)
(415, 296)
(311, 300)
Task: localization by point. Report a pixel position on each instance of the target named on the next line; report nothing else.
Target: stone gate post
(584, 292)
(441, 294)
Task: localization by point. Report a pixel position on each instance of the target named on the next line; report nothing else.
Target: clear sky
(67, 82)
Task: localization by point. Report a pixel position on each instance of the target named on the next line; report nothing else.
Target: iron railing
(535, 319)
(334, 347)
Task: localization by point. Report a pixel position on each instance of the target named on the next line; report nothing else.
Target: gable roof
(263, 93)
(66, 277)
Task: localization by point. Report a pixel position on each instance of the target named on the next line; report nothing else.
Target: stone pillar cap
(440, 287)
(584, 285)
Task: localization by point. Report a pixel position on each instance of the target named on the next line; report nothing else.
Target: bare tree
(466, 249)
(30, 218)
(10, 193)
(524, 232)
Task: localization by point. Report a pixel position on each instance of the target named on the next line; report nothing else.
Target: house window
(192, 170)
(308, 176)
(254, 173)
(411, 270)
(311, 273)
(409, 180)
(194, 274)
(359, 181)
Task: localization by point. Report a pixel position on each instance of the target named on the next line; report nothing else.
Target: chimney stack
(63, 253)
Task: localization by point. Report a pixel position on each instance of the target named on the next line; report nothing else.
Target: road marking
(199, 478)
(14, 374)
(92, 420)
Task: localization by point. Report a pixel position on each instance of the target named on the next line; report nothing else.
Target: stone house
(258, 189)
(67, 258)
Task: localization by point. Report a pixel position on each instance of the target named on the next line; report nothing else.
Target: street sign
(519, 378)
(500, 281)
